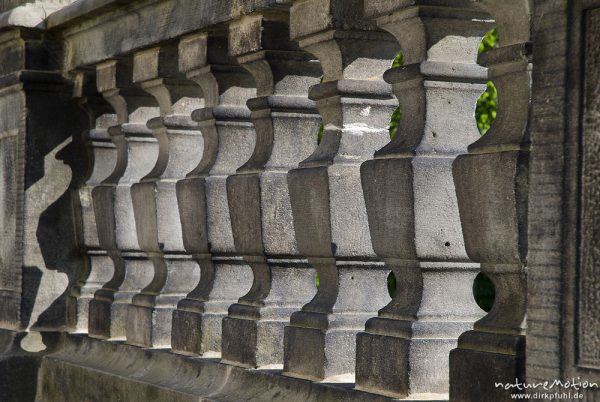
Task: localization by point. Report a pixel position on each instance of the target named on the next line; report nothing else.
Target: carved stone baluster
(330, 219)
(104, 157)
(157, 218)
(411, 203)
(202, 196)
(492, 189)
(286, 123)
(136, 153)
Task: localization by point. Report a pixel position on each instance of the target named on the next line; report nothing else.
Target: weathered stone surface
(157, 222)
(202, 197)
(589, 326)
(113, 207)
(40, 123)
(330, 219)
(286, 123)
(74, 251)
(103, 158)
(89, 368)
(412, 208)
(144, 24)
(492, 189)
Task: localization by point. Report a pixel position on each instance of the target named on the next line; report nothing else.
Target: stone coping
(88, 368)
(29, 15)
(82, 9)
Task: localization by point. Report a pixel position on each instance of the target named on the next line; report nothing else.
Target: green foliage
(487, 104)
(398, 60)
(485, 113)
(391, 284)
(395, 120)
(320, 133)
(489, 41)
(484, 292)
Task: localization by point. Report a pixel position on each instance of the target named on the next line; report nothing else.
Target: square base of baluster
(475, 373)
(316, 354)
(400, 367)
(186, 334)
(107, 319)
(252, 343)
(196, 333)
(99, 319)
(149, 326)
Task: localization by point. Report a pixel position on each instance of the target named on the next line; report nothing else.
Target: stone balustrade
(244, 206)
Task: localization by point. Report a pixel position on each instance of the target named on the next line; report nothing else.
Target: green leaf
(487, 104)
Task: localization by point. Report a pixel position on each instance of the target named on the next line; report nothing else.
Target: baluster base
(108, 310)
(481, 361)
(149, 326)
(254, 329)
(401, 367)
(316, 354)
(186, 335)
(321, 339)
(195, 333)
(197, 322)
(252, 343)
(150, 315)
(100, 320)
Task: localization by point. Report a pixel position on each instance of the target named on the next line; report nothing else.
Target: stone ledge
(27, 16)
(90, 369)
(83, 9)
(98, 30)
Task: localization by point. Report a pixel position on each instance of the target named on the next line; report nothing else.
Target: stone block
(474, 374)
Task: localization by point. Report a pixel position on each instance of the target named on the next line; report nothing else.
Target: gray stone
(218, 246)
(286, 124)
(492, 188)
(90, 367)
(413, 212)
(113, 207)
(202, 198)
(330, 219)
(104, 158)
(157, 222)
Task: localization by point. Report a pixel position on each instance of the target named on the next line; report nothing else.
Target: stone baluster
(286, 124)
(202, 196)
(492, 188)
(103, 158)
(330, 219)
(157, 219)
(411, 203)
(113, 208)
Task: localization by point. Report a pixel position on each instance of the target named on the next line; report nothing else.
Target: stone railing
(236, 204)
